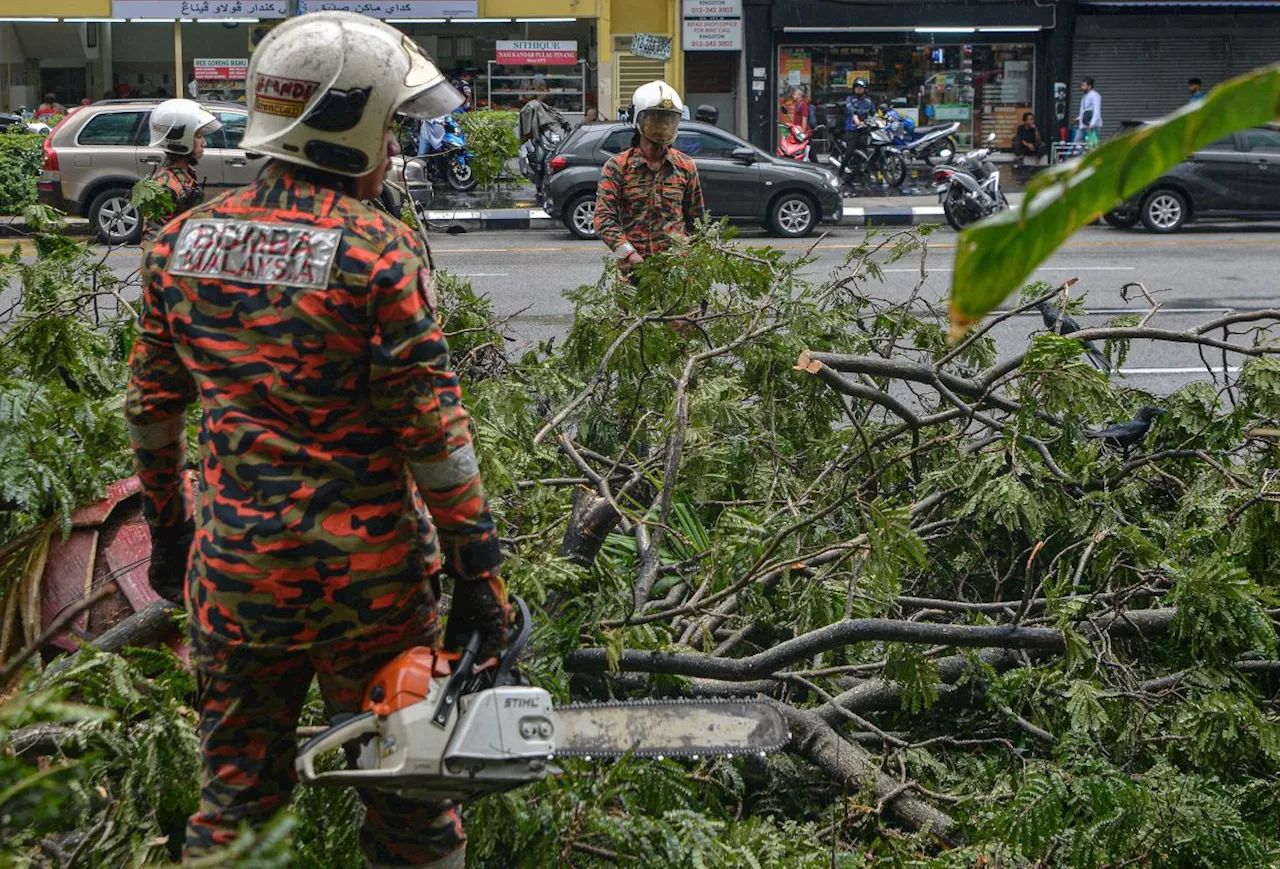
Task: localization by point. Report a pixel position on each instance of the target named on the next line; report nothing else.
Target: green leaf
(997, 255)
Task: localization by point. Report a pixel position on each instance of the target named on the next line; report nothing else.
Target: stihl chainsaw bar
(669, 728)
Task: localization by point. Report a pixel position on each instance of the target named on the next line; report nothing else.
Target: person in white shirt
(193, 89)
(1089, 121)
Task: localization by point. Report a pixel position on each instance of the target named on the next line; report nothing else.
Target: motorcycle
(921, 143)
(533, 164)
(448, 158)
(969, 186)
(879, 158)
(795, 142)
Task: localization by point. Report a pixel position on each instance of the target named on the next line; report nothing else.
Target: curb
(478, 220)
(16, 228)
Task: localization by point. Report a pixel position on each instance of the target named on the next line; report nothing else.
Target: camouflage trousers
(249, 704)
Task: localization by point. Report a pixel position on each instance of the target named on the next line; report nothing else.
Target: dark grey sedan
(1235, 177)
(739, 181)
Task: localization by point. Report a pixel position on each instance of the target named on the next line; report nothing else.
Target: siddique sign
(550, 52)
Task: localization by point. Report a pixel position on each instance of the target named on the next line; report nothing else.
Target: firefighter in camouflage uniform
(179, 127)
(304, 323)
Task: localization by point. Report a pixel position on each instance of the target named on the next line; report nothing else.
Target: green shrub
(20, 159)
(491, 139)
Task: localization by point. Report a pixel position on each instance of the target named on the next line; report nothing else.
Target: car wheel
(114, 218)
(580, 216)
(793, 215)
(1121, 219)
(1164, 211)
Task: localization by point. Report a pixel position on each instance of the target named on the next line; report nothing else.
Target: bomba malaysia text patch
(294, 255)
(283, 97)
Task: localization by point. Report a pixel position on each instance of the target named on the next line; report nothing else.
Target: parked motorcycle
(969, 186)
(533, 165)
(920, 143)
(795, 142)
(446, 156)
(880, 158)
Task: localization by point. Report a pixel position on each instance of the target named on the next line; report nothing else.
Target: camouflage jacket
(304, 323)
(182, 184)
(637, 206)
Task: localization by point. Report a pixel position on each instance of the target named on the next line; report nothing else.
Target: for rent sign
(550, 52)
(712, 25)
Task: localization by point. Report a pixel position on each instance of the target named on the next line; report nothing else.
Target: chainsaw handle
(458, 681)
(365, 724)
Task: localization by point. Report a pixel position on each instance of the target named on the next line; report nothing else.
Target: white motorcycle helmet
(323, 88)
(175, 124)
(657, 110)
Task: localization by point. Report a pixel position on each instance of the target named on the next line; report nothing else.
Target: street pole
(179, 86)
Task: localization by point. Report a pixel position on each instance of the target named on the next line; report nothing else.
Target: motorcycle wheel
(461, 177)
(957, 213)
(894, 167)
(934, 155)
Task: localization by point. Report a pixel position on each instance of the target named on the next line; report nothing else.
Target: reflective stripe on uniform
(460, 467)
(157, 434)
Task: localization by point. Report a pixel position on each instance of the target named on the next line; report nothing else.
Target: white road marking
(1041, 269)
(1230, 369)
(480, 274)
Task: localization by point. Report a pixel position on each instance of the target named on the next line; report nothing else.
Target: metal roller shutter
(633, 71)
(1143, 79)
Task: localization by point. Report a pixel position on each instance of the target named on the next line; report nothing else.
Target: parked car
(94, 156)
(1235, 177)
(739, 181)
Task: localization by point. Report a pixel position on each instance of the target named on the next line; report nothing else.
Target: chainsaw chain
(684, 754)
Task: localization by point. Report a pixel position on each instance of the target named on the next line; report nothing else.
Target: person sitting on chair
(1027, 141)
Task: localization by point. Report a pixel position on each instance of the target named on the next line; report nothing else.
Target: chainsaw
(442, 726)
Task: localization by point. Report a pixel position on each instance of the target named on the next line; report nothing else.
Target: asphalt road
(1195, 275)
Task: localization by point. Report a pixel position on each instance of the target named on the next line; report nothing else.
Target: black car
(739, 181)
(1237, 177)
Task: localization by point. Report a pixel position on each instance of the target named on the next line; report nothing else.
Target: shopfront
(980, 65)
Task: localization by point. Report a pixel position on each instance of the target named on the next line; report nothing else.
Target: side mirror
(991, 137)
(745, 155)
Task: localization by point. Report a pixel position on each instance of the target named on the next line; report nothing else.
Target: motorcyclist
(304, 321)
(179, 128)
(858, 109)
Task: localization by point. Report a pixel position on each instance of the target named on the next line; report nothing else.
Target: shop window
(111, 128)
(983, 87)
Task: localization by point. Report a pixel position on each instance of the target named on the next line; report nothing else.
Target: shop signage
(221, 68)
(395, 8)
(952, 111)
(651, 46)
(712, 25)
(550, 52)
(199, 8)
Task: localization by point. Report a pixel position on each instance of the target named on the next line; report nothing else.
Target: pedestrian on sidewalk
(1089, 120)
(1193, 85)
(650, 193)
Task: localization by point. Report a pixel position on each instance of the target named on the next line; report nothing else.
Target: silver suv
(95, 156)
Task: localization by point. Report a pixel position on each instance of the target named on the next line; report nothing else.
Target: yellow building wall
(642, 16)
(538, 8)
(56, 9)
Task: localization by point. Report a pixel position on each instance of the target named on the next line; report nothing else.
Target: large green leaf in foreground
(995, 257)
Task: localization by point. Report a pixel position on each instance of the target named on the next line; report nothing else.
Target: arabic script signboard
(221, 68)
(712, 25)
(550, 52)
(395, 8)
(199, 8)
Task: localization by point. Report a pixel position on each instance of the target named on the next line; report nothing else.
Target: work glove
(170, 548)
(479, 605)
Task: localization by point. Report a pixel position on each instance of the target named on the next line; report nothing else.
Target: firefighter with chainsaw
(650, 193)
(179, 128)
(304, 323)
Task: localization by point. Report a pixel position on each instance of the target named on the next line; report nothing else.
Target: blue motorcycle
(443, 149)
(921, 143)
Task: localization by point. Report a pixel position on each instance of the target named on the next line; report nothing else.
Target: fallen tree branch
(57, 626)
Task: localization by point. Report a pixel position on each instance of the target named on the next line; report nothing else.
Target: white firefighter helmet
(323, 88)
(657, 109)
(175, 123)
